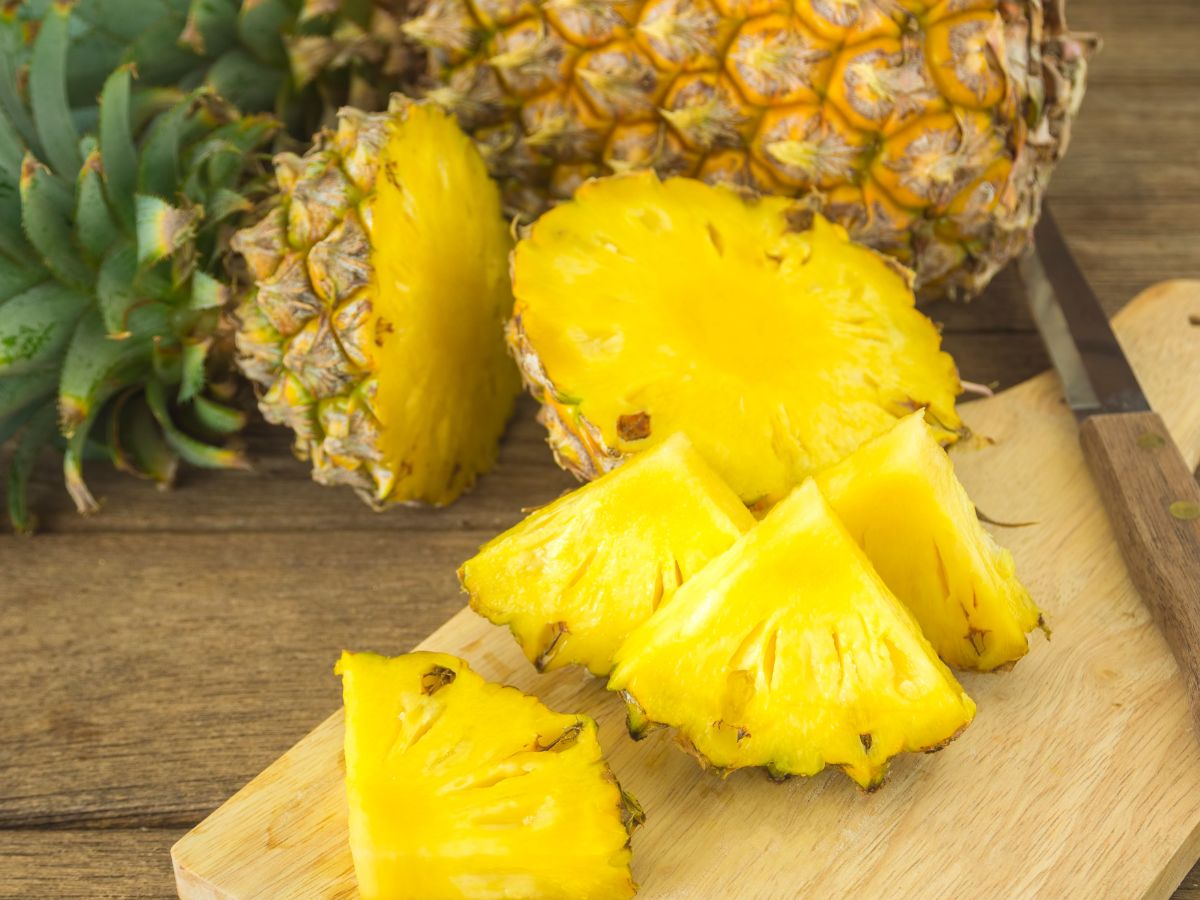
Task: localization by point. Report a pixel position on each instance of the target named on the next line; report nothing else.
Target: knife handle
(1153, 502)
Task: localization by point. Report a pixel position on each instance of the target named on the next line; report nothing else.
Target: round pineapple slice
(375, 326)
(459, 787)
(647, 308)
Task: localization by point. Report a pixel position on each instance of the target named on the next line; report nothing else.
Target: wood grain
(123, 864)
(251, 626)
(1153, 503)
(1079, 778)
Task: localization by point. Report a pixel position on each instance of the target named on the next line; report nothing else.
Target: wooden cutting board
(1080, 776)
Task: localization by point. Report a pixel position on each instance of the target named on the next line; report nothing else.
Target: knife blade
(1148, 490)
(1095, 373)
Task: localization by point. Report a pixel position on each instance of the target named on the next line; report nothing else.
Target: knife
(1148, 490)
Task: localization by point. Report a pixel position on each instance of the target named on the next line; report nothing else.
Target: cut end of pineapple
(788, 651)
(577, 576)
(459, 787)
(902, 503)
(375, 329)
(440, 261)
(646, 308)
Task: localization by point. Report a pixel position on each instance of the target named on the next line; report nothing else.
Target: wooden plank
(148, 677)
(1079, 778)
(1144, 43)
(1126, 147)
(128, 864)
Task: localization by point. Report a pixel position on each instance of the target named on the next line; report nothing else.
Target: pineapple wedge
(788, 651)
(900, 500)
(463, 788)
(575, 577)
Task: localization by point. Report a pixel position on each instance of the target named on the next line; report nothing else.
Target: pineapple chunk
(645, 308)
(788, 651)
(463, 788)
(575, 577)
(900, 500)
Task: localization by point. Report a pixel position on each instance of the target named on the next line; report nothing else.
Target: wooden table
(160, 654)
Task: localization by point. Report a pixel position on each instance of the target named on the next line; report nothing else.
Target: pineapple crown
(114, 221)
(298, 59)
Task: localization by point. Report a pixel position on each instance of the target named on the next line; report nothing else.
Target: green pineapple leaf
(94, 222)
(36, 434)
(48, 91)
(117, 149)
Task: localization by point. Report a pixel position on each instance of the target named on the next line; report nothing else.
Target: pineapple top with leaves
(111, 265)
(300, 59)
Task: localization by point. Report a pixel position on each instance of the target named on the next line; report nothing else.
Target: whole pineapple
(927, 127)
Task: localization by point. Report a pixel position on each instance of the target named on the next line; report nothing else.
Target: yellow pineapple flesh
(789, 652)
(576, 577)
(461, 788)
(927, 127)
(900, 500)
(646, 308)
(374, 329)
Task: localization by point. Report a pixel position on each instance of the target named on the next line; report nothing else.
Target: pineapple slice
(788, 651)
(575, 577)
(463, 788)
(644, 308)
(374, 329)
(900, 500)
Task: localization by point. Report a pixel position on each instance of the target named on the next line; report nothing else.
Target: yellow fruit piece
(374, 329)
(460, 788)
(576, 577)
(788, 651)
(900, 500)
(758, 329)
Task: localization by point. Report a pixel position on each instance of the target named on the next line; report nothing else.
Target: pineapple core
(462, 788)
(575, 577)
(788, 651)
(645, 308)
(900, 500)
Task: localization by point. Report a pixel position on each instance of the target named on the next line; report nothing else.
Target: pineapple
(112, 256)
(788, 651)
(926, 127)
(575, 577)
(375, 326)
(298, 59)
(458, 787)
(645, 308)
(900, 500)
